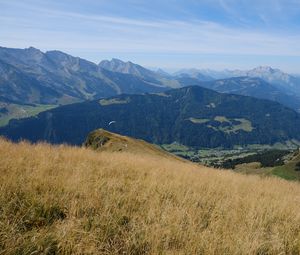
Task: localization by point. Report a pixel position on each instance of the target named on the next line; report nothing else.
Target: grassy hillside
(290, 170)
(103, 140)
(68, 200)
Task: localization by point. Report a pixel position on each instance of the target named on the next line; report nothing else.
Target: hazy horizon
(215, 34)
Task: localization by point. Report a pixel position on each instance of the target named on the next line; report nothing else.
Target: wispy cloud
(75, 30)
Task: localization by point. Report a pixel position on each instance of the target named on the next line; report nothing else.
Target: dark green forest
(193, 116)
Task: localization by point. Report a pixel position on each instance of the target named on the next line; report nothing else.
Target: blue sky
(171, 34)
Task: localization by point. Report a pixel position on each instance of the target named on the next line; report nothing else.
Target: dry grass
(119, 143)
(76, 201)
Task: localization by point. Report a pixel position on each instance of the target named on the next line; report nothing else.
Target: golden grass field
(68, 200)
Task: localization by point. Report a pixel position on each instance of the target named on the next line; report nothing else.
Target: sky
(171, 34)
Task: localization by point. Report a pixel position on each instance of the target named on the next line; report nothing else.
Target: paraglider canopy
(111, 122)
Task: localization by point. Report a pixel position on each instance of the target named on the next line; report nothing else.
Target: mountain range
(247, 86)
(31, 76)
(283, 81)
(32, 81)
(261, 82)
(193, 116)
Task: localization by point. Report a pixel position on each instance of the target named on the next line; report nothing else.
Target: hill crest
(103, 140)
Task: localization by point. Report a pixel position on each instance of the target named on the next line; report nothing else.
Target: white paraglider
(112, 122)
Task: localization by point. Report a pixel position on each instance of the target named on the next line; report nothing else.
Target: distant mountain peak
(117, 65)
(163, 72)
(32, 48)
(113, 64)
(60, 56)
(56, 52)
(274, 76)
(34, 51)
(117, 60)
(193, 73)
(267, 69)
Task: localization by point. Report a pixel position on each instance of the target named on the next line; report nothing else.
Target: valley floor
(68, 200)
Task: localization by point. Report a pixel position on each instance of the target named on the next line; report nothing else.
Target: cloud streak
(77, 31)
